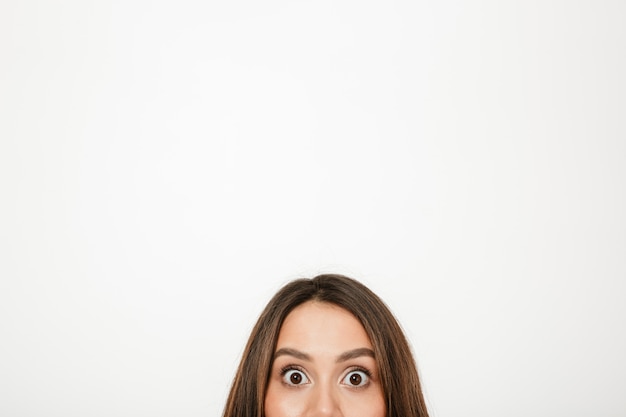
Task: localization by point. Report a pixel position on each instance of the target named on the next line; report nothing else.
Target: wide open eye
(294, 377)
(356, 379)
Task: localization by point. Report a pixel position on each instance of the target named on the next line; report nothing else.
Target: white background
(166, 166)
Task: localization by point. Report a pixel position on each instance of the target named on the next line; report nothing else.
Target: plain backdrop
(165, 166)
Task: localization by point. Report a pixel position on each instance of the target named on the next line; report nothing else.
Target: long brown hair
(398, 373)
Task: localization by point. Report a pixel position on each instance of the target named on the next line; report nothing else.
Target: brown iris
(295, 378)
(355, 379)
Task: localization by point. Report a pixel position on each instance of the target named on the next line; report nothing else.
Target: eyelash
(287, 368)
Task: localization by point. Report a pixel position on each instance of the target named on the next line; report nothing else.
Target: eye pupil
(355, 379)
(295, 378)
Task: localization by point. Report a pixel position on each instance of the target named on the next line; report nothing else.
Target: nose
(324, 402)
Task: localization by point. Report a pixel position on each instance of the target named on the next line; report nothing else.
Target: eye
(357, 378)
(293, 376)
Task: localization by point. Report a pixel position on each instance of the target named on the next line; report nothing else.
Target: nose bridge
(325, 401)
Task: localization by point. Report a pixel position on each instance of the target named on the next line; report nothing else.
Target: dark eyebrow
(355, 353)
(292, 352)
(345, 356)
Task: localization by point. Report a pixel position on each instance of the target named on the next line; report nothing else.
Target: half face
(323, 365)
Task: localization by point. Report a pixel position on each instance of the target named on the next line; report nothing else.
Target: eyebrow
(355, 353)
(345, 356)
(292, 352)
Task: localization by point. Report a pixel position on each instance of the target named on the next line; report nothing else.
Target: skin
(321, 366)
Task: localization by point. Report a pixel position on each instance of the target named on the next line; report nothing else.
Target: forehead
(318, 326)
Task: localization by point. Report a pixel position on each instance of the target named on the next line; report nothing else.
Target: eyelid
(291, 367)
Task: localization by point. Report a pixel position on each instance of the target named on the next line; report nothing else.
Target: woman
(326, 346)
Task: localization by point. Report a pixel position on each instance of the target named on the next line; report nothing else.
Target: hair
(398, 372)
